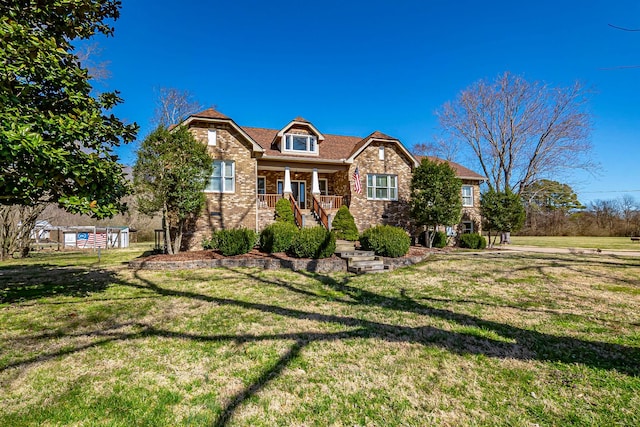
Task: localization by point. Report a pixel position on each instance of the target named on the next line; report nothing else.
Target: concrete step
(368, 263)
(352, 259)
(363, 267)
(354, 253)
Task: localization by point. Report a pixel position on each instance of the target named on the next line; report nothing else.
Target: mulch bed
(255, 258)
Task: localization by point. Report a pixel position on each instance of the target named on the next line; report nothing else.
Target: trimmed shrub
(277, 237)
(211, 243)
(315, 242)
(440, 239)
(236, 241)
(344, 226)
(385, 240)
(284, 212)
(473, 241)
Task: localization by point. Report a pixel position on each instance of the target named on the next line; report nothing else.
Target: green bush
(386, 240)
(440, 239)
(344, 226)
(211, 243)
(236, 241)
(473, 241)
(284, 212)
(277, 237)
(315, 242)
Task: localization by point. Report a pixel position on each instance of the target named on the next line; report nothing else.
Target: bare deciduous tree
(173, 106)
(16, 224)
(87, 54)
(521, 131)
(444, 149)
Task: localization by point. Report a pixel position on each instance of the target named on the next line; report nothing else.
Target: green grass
(493, 339)
(612, 243)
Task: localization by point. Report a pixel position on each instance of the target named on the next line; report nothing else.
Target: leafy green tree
(435, 195)
(170, 174)
(502, 211)
(548, 205)
(56, 137)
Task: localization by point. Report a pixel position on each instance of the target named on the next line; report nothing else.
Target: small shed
(96, 237)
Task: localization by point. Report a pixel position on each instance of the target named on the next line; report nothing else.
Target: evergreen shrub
(315, 242)
(344, 226)
(440, 239)
(277, 237)
(473, 241)
(211, 243)
(284, 212)
(236, 241)
(385, 240)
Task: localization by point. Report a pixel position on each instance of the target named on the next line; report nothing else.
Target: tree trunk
(167, 233)
(16, 224)
(505, 238)
(177, 245)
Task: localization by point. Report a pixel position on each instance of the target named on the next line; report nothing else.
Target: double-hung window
(467, 195)
(300, 143)
(223, 178)
(382, 187)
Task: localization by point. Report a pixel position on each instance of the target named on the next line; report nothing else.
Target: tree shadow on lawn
(520, 343)
(25, 283)
(525, 344)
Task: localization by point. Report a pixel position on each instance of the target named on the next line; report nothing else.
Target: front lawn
(587, 242)
(461, 339)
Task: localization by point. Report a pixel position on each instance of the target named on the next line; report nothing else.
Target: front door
(299, 190)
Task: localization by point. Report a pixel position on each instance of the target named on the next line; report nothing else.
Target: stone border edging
(326, 265)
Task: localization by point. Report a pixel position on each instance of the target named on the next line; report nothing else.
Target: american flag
(356, 181)
(91, 240)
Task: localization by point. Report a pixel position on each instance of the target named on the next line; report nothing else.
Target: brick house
(254, 167)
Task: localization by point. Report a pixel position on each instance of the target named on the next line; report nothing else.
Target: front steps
(359, 261)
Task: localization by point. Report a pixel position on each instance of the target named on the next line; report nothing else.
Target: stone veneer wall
(368, 213)
(227, 210)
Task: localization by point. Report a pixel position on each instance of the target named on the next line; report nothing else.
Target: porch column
(287, 181)
(315, 184)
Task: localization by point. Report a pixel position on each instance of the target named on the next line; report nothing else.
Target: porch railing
(320, 212)
(297, 213)
(268, 201)
(330, 202)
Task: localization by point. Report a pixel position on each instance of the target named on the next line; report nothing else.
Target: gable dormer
(299, 137)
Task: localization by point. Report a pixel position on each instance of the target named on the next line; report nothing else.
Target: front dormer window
(295, 143)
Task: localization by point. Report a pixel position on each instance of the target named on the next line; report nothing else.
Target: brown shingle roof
(334, 147)
(210, 113)
(461, 171)
(363, 141)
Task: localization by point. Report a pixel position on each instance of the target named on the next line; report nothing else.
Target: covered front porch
(311, 188)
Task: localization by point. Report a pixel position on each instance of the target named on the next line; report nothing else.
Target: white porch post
(287, 181)
(315, 183)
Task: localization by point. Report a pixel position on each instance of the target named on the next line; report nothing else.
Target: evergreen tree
(436, 195)
(56, 137)
(170, 174)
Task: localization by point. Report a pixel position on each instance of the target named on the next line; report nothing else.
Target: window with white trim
(300, 143)
(382, 187)
(467, 195)
(223, 178)
(467, 227)
(212, 136)
(381, 152)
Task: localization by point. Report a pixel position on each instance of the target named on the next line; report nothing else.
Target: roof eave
(256, 147)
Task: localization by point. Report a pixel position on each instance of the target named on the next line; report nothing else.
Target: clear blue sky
(352, 67)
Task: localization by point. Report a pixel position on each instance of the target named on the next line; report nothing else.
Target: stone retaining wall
(327, 265)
